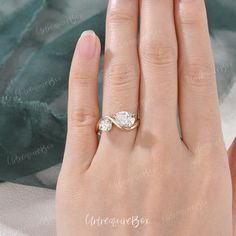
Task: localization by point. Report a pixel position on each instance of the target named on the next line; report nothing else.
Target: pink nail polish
(87, 44)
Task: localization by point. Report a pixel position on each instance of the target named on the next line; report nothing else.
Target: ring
(123, 120)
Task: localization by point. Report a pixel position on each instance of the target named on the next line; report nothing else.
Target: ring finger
(121, 75)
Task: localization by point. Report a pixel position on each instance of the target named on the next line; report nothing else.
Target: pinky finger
(83, 111)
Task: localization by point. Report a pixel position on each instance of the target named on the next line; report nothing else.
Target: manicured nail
(113, 3)
(87, 44)
(123, 4)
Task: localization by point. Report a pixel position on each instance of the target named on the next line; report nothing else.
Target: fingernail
(87, 44)
(113, 3)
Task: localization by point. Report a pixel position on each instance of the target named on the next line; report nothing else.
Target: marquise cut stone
(125, 119)
(105, 125)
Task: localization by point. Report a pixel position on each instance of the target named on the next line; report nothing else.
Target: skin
(180, 184)
(232, 163)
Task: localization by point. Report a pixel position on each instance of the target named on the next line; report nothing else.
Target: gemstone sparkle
(105, 125)
(125, 119)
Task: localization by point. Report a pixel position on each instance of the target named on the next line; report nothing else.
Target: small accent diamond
(125, 119)
(105, 125)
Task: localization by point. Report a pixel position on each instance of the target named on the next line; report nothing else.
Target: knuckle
(118, 17)
(208, 148)
(189, 15)
(82, 77)
(158, 52)
(199, 76)
(81, 118)
(121, 76)
(190, 19)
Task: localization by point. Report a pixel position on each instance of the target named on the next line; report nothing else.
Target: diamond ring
(123, 120)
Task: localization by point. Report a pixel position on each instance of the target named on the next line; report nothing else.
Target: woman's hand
(148, 181)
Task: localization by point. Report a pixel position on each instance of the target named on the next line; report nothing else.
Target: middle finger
(158, 61)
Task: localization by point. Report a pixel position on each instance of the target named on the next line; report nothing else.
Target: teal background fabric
(37, 40)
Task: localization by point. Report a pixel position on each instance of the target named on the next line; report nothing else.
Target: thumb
(232, 165)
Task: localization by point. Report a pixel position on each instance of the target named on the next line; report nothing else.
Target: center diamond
(125, 119)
